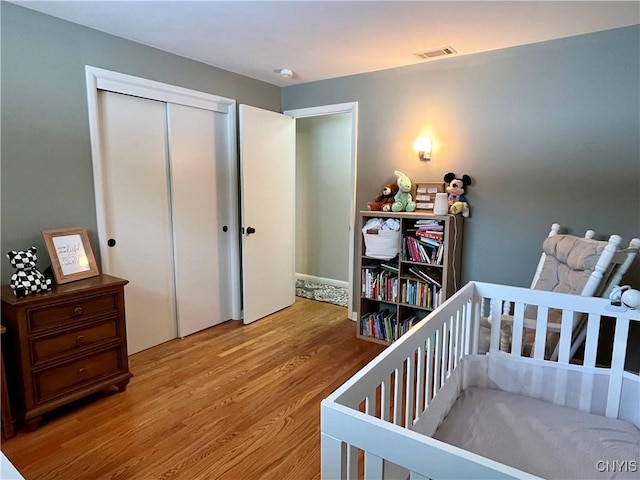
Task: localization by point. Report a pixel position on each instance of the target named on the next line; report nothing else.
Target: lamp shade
(441, 205)
(422, 144)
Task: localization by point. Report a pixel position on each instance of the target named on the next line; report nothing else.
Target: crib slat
(450, 352)
(332, 457)
(443, 356)
(420, 383)
(397, 409)
(352, 462)
(428, 384)
(472, 330)
(408, 398)
(384, 400)
(591, 345)
(617, 367)
(541, 333)
(566, 327)
(517, 329)
(496, 320)
(436, 363)
(373, 467)
(458, 337)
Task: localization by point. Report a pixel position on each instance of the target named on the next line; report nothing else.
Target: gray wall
(549, 132)
(47, 178)
(323, 195)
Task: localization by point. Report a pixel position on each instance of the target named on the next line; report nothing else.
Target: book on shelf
(382, 325)
(430, 235)
(427, 275)
(420, 294)
(431, 241)
(379, 284)
(390, 268)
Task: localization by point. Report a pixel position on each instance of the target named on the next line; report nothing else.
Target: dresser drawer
(52, 316)
(77, 374)
(50, 346)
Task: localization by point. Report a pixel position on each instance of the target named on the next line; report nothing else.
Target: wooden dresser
(64, 344)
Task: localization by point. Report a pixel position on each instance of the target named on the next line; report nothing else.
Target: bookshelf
(397, 293)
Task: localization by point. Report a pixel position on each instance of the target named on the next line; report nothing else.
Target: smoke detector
(285, 72)
(437, 52)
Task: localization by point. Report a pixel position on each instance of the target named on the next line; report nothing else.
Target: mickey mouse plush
(455, 189)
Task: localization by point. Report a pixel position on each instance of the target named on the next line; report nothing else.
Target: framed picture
(71, 255)
(426, 194)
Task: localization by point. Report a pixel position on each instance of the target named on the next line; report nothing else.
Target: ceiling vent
(438, 52)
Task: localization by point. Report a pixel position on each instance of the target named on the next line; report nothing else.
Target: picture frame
(71, 255)
(425, 196)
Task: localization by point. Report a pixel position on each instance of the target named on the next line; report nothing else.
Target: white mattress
(546, 440)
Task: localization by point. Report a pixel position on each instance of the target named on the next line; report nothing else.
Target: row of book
(385, 325)
(422, 250)
(380, 278)
(420, 294)
(424, 242)
(379, 284)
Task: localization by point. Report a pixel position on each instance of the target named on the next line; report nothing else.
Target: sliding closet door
(135, 204)
(199, 194)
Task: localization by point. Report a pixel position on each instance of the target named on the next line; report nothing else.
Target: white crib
(380, 424)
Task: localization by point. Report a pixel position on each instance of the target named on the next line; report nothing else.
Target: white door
(267, 173)
(197, 142)
(137, 224)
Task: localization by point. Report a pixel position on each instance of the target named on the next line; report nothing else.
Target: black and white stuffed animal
(28, 279)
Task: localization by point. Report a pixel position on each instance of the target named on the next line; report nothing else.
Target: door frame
(352, 108)
(101, 79)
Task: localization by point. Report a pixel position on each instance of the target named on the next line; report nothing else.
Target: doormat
(322, 292)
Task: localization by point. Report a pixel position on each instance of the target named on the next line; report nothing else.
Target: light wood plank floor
(232, 402)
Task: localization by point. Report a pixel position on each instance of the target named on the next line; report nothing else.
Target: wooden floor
(233, 402)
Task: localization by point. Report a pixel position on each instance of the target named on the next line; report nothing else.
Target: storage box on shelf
(411, 277)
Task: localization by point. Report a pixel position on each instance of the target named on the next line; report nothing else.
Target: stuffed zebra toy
(28, 279)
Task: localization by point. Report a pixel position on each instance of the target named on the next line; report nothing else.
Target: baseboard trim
(325, 281)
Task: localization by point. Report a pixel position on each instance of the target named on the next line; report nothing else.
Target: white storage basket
(384, 245)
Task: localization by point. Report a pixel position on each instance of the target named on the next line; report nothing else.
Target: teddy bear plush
(403, 199)
(384, 200)
(455, 189)
(28, 279)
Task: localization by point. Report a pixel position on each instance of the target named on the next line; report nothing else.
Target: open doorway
(325, 190)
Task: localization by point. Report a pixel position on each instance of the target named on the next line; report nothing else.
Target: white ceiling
(328, 39)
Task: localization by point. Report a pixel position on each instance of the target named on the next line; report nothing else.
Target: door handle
(250, 230)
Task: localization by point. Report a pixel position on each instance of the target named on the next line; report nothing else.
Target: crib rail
(367, 424)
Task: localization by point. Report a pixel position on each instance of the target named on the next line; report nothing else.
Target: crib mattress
(546, 440)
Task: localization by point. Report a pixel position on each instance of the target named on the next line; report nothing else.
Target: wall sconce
(422, 145)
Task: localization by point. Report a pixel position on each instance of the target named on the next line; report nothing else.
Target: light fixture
(422, 145)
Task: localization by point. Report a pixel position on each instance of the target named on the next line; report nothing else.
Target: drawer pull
(82, 372)
(80, 340)
(78, 311)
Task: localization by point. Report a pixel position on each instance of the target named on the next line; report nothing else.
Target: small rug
(322, 292)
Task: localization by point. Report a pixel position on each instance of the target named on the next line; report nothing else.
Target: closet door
(199, 193)
(135, 208)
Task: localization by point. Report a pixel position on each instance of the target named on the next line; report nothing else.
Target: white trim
(352, 108)
(322, 280)
(164, 92)
(100, 79)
